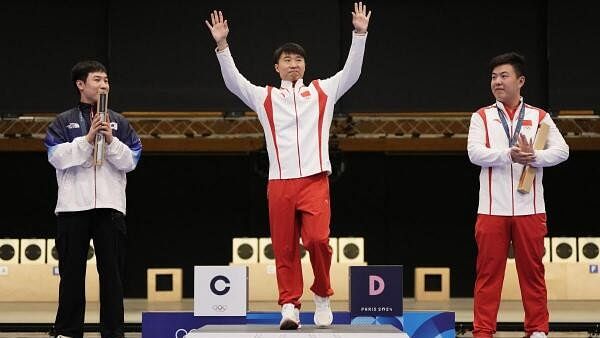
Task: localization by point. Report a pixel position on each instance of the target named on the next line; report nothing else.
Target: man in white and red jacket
(500, 141)
(296, 120)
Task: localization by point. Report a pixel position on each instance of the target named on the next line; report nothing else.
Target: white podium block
(220, 290)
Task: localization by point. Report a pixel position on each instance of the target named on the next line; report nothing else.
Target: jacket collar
(501, 105)
(85, 108)
(288, 84)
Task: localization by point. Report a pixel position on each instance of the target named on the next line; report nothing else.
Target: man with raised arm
(296, 118)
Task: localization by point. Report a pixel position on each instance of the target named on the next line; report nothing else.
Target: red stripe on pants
(300, 207)
(493, 235)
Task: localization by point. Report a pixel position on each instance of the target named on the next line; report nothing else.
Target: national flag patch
(527, 123)
(305, 93)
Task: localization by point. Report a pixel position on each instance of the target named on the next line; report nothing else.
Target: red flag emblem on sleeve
(526, 122)
(306, 93)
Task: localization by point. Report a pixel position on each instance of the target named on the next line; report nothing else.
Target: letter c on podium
(213, 285)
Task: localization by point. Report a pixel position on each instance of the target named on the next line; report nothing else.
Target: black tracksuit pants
(75, 229)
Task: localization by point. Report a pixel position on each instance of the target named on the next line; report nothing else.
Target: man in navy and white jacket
(296, 120)
(500, 143)
(91, 202)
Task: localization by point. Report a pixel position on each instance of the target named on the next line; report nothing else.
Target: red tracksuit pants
(493, 235)
(300, 207)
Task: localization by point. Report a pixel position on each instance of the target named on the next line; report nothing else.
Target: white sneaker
(538, 334)
(290, 317)
(61, 336)
(323, 315)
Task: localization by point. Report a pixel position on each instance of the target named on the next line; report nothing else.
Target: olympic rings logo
(180, 331)
(219, 308)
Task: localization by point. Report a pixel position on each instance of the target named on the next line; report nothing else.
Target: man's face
(290, 67)
(506, 85)
(96, 83)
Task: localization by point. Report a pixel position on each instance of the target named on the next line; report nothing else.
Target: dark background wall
(412, 209)
(421, 56)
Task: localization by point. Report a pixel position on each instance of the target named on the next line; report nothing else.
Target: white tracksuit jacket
(296, 120)
(81, 185)
(488, 147)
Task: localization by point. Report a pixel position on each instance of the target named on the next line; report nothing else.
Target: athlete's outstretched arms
(219, 29)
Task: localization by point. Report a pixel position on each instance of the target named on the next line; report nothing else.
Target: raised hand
(360, 18)
(218, 28)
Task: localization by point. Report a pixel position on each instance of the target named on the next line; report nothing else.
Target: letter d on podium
(376, 285)
(220, 291)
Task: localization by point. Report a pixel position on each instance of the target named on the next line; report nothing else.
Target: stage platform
(33, 319)
(307, 331)
(510, 311)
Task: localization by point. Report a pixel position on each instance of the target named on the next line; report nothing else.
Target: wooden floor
(510, 311)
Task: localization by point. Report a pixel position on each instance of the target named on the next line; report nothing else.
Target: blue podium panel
(417, 324)
(307, 331)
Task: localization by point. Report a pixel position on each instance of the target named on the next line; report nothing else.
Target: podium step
(307, 331)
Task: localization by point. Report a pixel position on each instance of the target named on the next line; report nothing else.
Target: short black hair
(514, 59)
(82, 69)
(288, 48)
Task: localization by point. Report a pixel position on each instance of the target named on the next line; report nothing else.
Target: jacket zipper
(512, 183)
(297, 131)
